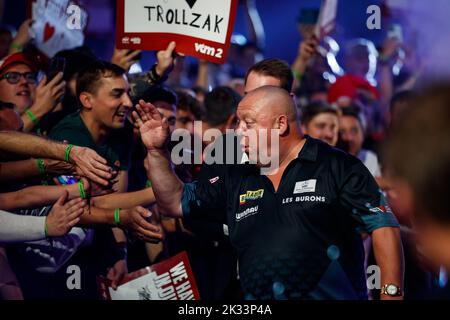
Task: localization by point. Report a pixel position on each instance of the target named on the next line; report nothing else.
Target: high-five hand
(153, 128)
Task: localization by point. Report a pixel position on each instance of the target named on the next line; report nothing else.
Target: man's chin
(117, 125)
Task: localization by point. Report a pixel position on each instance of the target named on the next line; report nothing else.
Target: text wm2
(210, 51)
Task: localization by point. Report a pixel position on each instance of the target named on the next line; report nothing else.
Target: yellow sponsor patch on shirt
(251, 195)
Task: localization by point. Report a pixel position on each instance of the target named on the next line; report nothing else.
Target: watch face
(391, 290)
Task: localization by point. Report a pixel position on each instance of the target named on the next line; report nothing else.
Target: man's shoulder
(339, 162)
(69, 122)
(70, 128)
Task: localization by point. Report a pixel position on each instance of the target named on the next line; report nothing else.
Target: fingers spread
(137, 119)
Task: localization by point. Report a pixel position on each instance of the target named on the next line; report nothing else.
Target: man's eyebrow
(117, 91)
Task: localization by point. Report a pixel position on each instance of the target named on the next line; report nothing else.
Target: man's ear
(86, 100)
(283, 125)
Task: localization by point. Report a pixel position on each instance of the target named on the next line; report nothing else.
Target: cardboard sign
(201, 28)
(58, 25)
(327, 18)
(171, 279)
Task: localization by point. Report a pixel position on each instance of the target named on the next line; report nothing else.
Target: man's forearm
(389, 256)
(95, 217)
(31, 145)
(125, 200)
(168, 189)
(36, 196)
(18, 170)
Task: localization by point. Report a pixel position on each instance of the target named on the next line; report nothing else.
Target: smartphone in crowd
(57, 64)
(67, 180)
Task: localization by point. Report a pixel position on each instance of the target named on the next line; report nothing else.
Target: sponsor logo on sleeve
(381, 209)
(213, 180)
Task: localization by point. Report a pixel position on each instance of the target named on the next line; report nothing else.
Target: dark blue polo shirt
(303, 241)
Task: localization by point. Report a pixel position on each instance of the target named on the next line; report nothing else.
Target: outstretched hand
(90, 165)
(153, 128)
(141, 222)
(64, 215)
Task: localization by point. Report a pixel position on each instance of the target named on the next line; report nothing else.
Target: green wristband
(16, 46)
(117, 216)
(81, 188)
(32, 117)
(40, 165)
(66, 157)
(46, 228)
(297, 75)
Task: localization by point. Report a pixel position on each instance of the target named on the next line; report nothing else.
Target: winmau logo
(247, 213)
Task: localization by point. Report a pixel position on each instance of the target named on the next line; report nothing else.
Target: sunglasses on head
(14, 77)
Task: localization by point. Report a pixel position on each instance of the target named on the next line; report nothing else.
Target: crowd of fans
(74, 174)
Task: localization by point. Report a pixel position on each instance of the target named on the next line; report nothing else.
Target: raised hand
(48, 94)
(153, 128)
(308, 48)
(124, 58)
(166, 60)
(22, 37)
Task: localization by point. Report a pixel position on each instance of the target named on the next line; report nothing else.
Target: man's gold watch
(391, 290)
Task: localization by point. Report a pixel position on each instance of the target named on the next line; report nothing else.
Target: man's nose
(329, 133)
(23, 82)
(127, 102)
(240, 128)
(343, 136)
